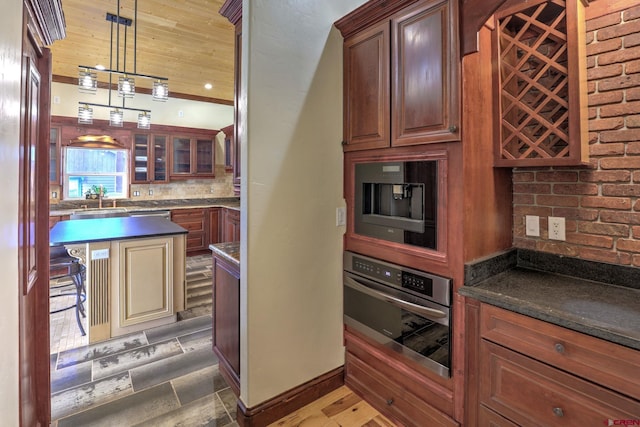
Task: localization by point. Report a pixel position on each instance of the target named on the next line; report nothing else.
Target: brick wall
(601, 203)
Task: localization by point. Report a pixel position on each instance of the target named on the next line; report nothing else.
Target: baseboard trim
(290, 401)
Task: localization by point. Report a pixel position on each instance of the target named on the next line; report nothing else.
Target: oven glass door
(410, 325)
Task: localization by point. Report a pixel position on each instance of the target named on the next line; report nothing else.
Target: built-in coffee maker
(397, 201)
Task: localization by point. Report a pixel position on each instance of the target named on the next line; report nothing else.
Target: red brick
(601, 255)
(632, 67)
(532, 188)
(576, 213)
(632, 94)
(604, 98)
(636, 177)
(543, 211)
(523, 176)
(606, 149)
(548, 200)
(590, 189)
(635, 232)
(636, 260)
(631, 13)
(557, 248)
(604, 46)
(524, 243)
(621, 190)
(603, 21)
(603, 229)
(523, 199)
(590, 37)
(622, 82)
(631, 40)
(557, 176)
(620, 217)
(605, 176)
(621, 135)
(606, 202)
(618, 31)
(591, 87)
(598, 73)
(633, 147)
(636, 207)
(628, 245)
(590, 240)
(620, 163)
(620, 110)
(606, 124)
(633, 121)
(591, 62)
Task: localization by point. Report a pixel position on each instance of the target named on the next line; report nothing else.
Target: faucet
(100, 196)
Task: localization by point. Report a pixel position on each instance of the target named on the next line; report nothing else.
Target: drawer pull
(390, 401)
(559, 348)
(558, 412)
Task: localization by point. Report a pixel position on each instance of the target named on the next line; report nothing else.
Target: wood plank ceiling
(184, 40)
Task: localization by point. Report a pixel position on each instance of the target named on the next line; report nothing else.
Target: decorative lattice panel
(535, 85)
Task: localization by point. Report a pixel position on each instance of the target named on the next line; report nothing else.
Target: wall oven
(404, 309)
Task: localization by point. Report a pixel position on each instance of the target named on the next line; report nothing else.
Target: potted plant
(94, 192)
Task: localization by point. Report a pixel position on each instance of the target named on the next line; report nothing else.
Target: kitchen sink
(99, 213)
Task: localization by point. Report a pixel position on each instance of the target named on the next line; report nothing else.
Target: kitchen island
(226, 310)
(135, 271)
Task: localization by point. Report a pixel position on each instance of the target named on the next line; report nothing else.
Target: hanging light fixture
(85, 114)
(126, 85)
(144, 120)
(160, 91)
(116, 118)
(87, 81)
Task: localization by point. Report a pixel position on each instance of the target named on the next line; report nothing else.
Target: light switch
(100, 254)
(341, 217)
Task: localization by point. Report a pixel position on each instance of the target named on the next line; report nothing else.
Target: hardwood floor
(341, 407)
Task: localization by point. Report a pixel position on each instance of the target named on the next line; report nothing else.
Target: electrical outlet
(532, 225)
(557, 228)
(151, 192)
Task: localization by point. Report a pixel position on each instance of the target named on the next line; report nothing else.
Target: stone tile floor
(165, 376)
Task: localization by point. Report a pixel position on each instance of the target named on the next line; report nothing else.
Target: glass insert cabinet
(149, 159)
(192, 157)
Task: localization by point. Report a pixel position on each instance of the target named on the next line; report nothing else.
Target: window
(87, 167)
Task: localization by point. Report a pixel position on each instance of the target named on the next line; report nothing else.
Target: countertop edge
(547, 314)
(229, 251)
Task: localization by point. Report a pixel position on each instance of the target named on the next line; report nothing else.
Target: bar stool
(64, 266)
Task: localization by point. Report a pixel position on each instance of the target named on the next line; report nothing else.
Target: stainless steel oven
(404, 309)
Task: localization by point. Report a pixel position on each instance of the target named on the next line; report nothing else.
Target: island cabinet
(401, 74)
(226, 319)
(195, 221)
(527, 372)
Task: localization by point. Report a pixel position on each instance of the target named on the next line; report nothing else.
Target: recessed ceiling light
(208, 86)
(100, 67)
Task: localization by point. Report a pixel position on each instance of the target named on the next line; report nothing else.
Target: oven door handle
(429, 313)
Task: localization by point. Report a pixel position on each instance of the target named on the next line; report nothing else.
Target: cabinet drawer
(605, 363)
(391, 399)
(531, 393)
(488, 418)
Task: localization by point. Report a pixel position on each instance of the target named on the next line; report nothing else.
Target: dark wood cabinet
(214, 225)
(409, 61)
(231, 225)
(192, 158)
(149, 159)
(529, 372)
(195, 221)
(226, 319)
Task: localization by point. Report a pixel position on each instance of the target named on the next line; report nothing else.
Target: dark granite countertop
(68, 207)
(106, 229)
(595, 308)
(229, 251)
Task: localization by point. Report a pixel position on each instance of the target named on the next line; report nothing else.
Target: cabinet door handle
(558, 412)
(559, 348)
(390, 401)
(453, 128)
(344, 143)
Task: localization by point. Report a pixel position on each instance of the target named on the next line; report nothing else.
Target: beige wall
(202, 115)
(10, 52)
(291, 299)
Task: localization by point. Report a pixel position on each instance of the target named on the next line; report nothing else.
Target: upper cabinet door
(366, 89)
(425, 73)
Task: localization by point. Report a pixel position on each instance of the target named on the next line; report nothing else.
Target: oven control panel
(435, 288)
